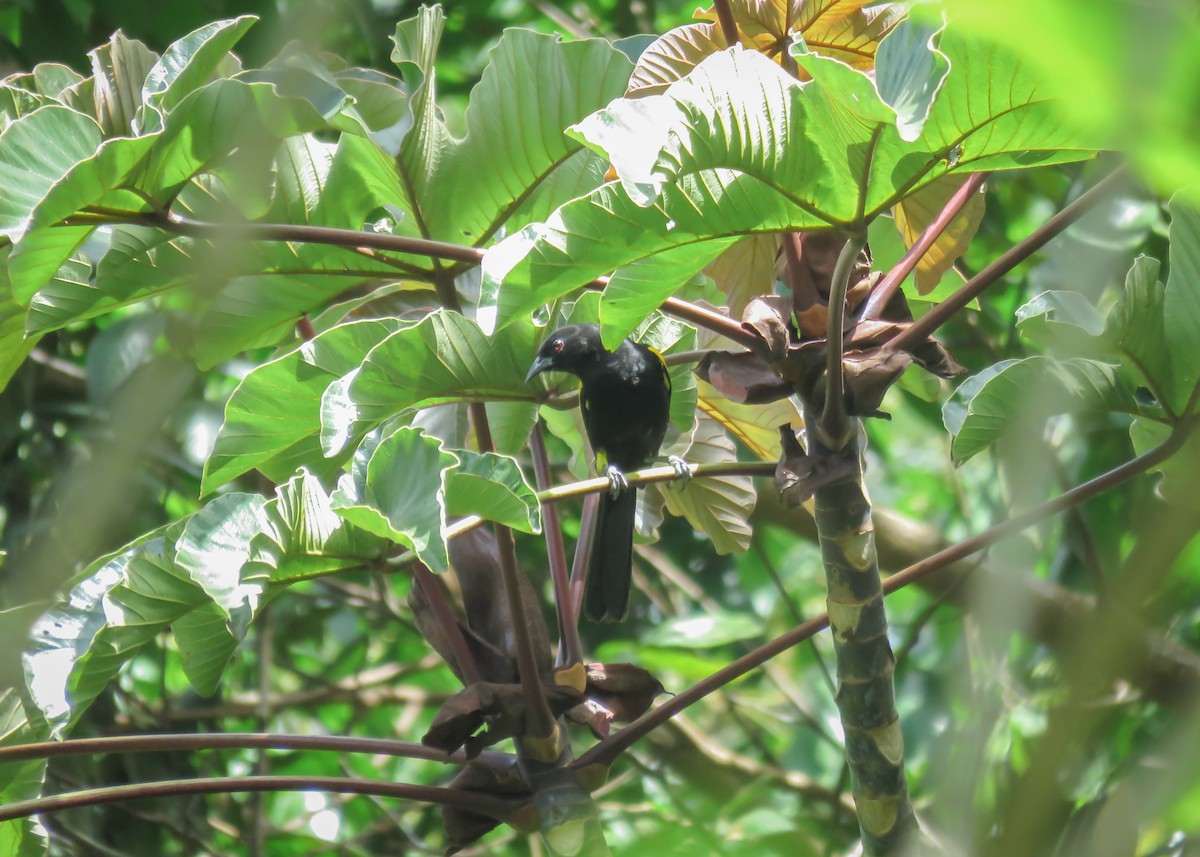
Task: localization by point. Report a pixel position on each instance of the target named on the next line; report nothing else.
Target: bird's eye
(557, 345)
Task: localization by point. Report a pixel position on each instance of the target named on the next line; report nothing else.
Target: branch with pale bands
(474, 801)
(887, 286)
(927, 325)
(610, 748)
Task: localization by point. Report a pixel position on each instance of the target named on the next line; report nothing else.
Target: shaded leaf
(1181, 303)
(273, 418)
(705, 632)
(396, 489)
(533, 87)
(444, 358)
(1137, 322)
(494, 488)
(1015, 393)
(756, 426)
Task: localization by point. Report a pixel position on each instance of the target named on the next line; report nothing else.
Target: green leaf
(116, 606)
(1063, 322)
(909, 71)
(444, 358)
(639, 288)
(492, 487)
(1138, 325)
(39, 255)
(1019, 393)
(214, 548)
(273, 419)
(119, 69)
(214, 122)
(307, 537)
(19, 780)
(1181, 303)
(396, 489)
(189, 63)
(533, 87)
(1178, 485)
(117, 351)
(427, 140)
(29, 167)
(714, 156)
(205, 646)
(14, 347)
(705, 632)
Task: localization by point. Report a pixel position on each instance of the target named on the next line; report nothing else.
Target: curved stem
(834, 423)
(728, 24)
(474, 801)
(177, 742)
(891, 282)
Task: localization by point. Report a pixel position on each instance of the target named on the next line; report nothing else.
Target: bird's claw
(616, 481)
(683, 470)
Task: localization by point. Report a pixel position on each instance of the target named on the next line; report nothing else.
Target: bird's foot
(683, 471)
(616, 481)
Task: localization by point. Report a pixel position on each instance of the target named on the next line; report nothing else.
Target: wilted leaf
(743, 377)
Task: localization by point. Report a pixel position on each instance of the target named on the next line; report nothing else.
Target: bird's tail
(610, 569)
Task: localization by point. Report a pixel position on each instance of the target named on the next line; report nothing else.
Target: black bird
(626, 402)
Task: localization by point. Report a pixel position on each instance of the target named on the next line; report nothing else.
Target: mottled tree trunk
(866, 697)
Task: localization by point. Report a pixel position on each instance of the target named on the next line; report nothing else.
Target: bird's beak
(541, 364)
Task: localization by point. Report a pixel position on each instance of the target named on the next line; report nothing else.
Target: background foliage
(1048, 695)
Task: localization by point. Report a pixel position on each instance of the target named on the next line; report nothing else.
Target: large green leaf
(189, 63)
(1016, 393)
(119, 69)
(492, 487)
(1181, 303)
(533, 87)
(115, 607)
(273, 419)
(307, 537)
(396, 490)
(738, 146)
(214, 549)
(444, 358)
(14, 347)
(215, 121)
(426, 141)
(36, 151)
(1137, 323)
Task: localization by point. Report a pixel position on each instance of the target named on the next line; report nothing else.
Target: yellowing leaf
(916, 212)
(757, 426)
(841, 29)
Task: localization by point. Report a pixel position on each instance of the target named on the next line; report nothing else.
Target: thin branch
(185, 741)
(891, 282)
(568, 622)
(610, 748)
(926, 325)
(834, 422)
(539, 720)
(714, 321)
(474, 801)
